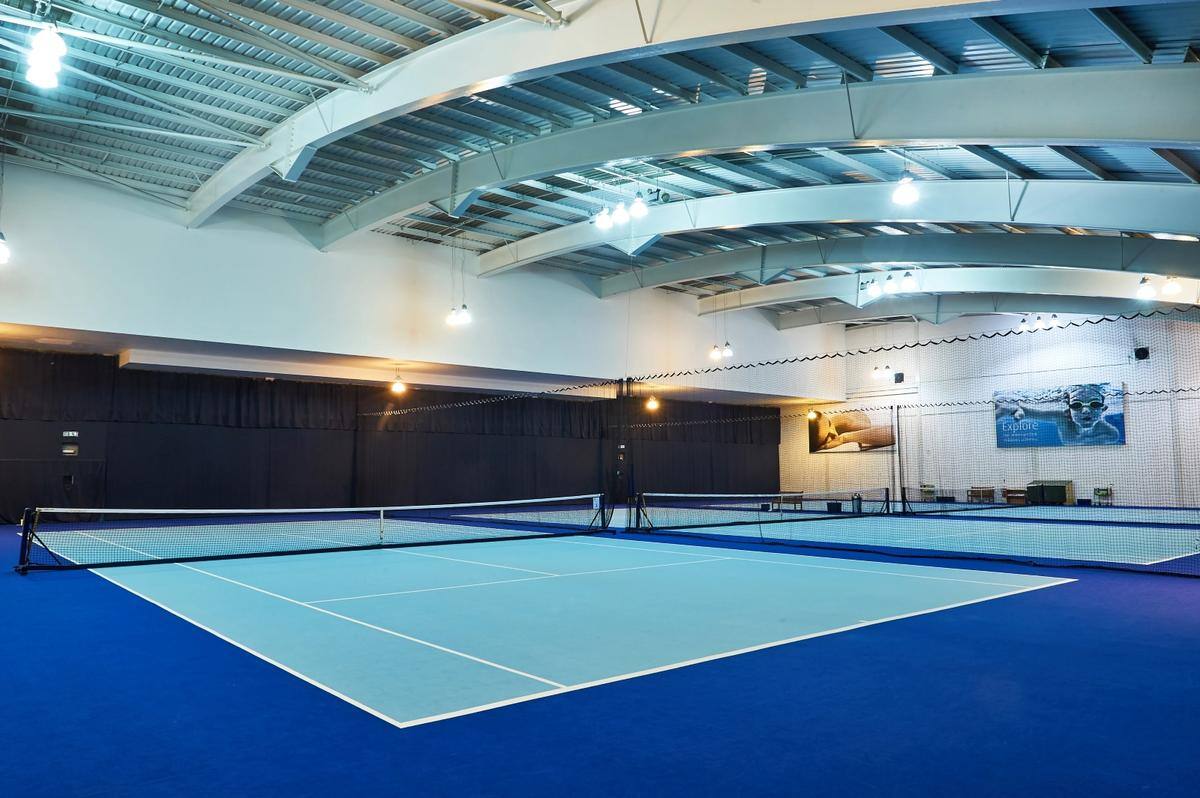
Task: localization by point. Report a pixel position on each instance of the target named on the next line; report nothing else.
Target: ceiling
(158, 97)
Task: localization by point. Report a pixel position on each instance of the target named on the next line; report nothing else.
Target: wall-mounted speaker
(899, 377)
(1141, 353)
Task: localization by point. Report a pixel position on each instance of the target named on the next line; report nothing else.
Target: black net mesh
(1074, 444)
(74, 538)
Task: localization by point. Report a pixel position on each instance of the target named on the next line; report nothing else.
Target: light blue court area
(419, 634)
(973, 533)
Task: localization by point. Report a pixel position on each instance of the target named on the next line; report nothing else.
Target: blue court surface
(421, 634)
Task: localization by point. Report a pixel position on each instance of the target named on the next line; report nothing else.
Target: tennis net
(60, 537)
(965, 524)
(698, 511)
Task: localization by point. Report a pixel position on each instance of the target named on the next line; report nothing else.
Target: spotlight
(398, 386)
(619, 214)
(47, 42)
(873, 289)
(1039, 324)
(1172, 287)
(652, 404)
(1024, 325)
(5, 252)
(812, 415)
(727, 351)
(46, 50)
(638, 208)
(604, 220)
(43, 77)
(906, 192)
(890, 286)
(1145, 289)
(908, 283)
(715, 354)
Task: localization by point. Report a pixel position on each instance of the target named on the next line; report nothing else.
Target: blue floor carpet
(1089, 688)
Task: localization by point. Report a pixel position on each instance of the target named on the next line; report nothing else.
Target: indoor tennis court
(478, 626)
(599, 398)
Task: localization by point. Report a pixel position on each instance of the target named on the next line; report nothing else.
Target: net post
(381, 536)
(26, 541)
(899, 454)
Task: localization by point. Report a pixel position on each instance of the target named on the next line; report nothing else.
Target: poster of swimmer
(1069, 415)
(848, 431)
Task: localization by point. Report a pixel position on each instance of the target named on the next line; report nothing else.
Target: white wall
(88, 257)
(955, 447)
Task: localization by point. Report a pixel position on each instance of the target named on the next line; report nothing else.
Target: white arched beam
(1065, 107)
(510, 50)
(1133, 207)
(1060, 107)
(850, 288)
(939, 309)
(1144, 255)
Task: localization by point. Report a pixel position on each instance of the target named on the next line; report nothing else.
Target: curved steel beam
(511, 50)
(1112, 253)
(1132, 207)
(1060, 107)
(939, 309)
(967, 280)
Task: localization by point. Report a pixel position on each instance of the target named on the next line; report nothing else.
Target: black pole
(26, 539)
(900, 461)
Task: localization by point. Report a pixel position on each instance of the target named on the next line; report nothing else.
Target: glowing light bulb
(1145, 289)
(48, 42)
(908, 283)
(874, 289)
(1024, 325)
(890, 285)
(398, 386)
(876, 374)
(1055, 321)
(906, 192)
(620, 215)
(42, 77)
(715, 354)
(652, 404)
(5, 252)
(1039, 323)
(1172, 287)
(464, 315)
(604, 220)
(452, 318)
(638, 208)
(727, 351)
(812, 415)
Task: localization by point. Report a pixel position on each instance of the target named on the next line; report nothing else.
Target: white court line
(574, 542)
(712, 657)
(858, 570)
(510, 581)
(333, 614)
(470, 562)
(559, 689)
(1168, 559)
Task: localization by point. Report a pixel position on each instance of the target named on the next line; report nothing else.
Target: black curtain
(165, 439)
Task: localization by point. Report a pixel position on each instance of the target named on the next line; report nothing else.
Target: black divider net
(159, 439)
